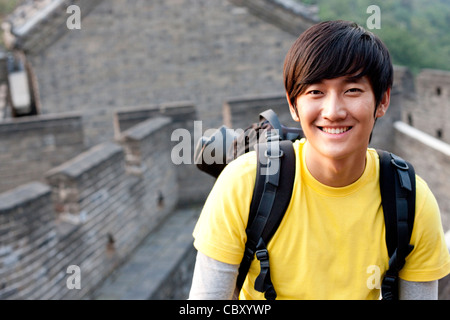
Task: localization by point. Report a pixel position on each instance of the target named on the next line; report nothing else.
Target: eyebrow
(354, 79)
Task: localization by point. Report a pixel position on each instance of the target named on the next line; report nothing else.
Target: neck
(335, 172)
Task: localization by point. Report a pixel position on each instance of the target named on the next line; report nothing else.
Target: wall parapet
(195, 184)
(22, 195)
(132, 138)
(92, 214)
(30, 146)
(26, 218)
(429, 111)
(240, 112)
(81, 173)
(431, 159)
(126, 118)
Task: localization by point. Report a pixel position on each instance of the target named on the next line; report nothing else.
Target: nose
(333, 108)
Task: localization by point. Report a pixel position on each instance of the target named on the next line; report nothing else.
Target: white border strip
(423, 137)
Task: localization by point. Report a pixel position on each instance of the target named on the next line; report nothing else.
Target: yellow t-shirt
(331, 241)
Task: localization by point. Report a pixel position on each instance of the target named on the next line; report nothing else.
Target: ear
(293, 109)
(384, 104)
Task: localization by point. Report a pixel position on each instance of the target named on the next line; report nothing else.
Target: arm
(418, 290)
(213, 280)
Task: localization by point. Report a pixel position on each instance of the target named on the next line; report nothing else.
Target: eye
(314, 92)
(354, 90)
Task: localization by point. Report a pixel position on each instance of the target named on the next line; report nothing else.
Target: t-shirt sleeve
(430, 258)
(220, 229)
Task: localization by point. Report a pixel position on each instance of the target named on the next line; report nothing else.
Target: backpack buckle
(272, 135)
(388, 287)
(402, 166)
(399, 162)
(273, 156)
(262, 254)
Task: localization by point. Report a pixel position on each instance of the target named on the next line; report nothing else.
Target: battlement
(92, 212)
(430, 109)
(32, 145)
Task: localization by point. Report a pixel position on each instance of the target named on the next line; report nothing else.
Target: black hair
(333, 49)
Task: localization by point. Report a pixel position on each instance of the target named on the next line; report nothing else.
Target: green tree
(415, 31)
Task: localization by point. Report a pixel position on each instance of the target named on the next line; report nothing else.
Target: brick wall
(193, 184)
(240, 112)
(94, 211)
(27, 235)
(431, 160)
(430, 110)
(139, 52)
(33, 145)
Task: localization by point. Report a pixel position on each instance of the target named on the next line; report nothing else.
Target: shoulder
(243, 165)
(220, 229)
(239, 173)
(423, 193)
(427, 214)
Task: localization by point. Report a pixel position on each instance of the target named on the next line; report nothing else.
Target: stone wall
(193, 184)
(28, 234)
(33, 145)
(431, 159)
(139, 52)
(240, 112)
(430, 110)
(93, 212)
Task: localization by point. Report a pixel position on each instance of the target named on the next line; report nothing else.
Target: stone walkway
(156, 268)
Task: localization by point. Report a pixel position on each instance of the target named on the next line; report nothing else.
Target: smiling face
(335, 74)
(337, 115)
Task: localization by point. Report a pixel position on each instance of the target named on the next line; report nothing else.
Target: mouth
(335, 130)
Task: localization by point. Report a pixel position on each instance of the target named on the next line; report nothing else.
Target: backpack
(273, 144)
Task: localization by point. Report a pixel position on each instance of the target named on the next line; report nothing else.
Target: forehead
(364, 80)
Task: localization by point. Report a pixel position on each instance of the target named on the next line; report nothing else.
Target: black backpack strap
(271, 197)
(286, 133)
(398, 194)
(272, 117)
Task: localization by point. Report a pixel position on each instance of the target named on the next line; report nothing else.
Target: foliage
(7, 6)
(415, 31)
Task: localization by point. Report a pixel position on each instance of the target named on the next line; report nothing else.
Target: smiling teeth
(335, 130)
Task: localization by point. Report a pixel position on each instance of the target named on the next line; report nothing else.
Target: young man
(331, 241)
